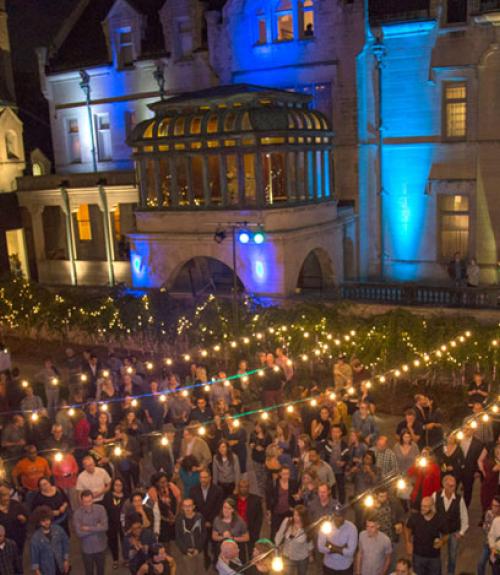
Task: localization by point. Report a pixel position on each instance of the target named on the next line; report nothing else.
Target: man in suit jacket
(208, 499)
(473, 451)
(249, 507)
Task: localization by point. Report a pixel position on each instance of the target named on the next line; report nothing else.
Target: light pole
(159, 77)
(85, 86)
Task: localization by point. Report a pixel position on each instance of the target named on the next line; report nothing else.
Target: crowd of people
(167, 474)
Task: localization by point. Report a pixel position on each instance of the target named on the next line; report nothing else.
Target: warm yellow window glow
(117, 227)
(84, 226)
(284, 21)
(454, 225)
(456, 110)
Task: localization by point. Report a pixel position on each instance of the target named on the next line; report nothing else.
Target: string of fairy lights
(367, 497)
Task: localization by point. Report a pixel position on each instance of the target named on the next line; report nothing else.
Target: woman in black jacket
(113, 502)
(282, 496)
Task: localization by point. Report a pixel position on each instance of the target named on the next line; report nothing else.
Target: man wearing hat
(339, 545)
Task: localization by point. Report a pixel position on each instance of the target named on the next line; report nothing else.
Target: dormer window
(125, 48)
(284, 21)
(306, 18)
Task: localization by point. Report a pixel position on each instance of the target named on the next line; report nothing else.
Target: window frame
(449, 101)
(102, 134)
(84, 223)
(72, 135)
(120, 46)
(442, 213)
(281, 13)
(302, 11)
(261, 17)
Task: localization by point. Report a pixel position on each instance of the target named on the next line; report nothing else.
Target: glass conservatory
(233, 147)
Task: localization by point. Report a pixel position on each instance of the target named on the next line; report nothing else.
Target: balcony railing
(487, 5)
(382, 11)
(419, 295)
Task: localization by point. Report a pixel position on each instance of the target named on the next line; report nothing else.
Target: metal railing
(398, 11)
(422, 295)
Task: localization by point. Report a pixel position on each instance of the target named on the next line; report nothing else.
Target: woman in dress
(406, 451)
(450, 458)
(260, 439)
(164, 497)
(113, 501)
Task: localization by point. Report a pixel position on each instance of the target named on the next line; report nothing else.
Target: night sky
(33, 23)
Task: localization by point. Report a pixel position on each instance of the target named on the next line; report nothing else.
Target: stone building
(409, 90)
(12, 244)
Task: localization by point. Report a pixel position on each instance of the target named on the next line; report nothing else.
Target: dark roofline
(228, 93)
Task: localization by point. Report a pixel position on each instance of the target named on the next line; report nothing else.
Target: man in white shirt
(94, 479)
(451, 508)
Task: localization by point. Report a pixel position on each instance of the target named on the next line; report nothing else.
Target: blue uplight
(243, 237)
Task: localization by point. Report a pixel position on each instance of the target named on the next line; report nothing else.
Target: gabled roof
(85, 45)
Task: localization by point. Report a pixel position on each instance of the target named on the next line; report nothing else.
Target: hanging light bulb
(260, 373)
(405, 368)
(368, 384)
(187, 357)
(204, 353)
(149, 365)
(216, 347)
(236, 422)
(494, 408)
(206, 388)
(277, 564)
(227, 383)
(83, 377)
(289, 362)
(290, 409)
(276, 368)
(105, 373)
(185, 393)
(117, 451)
(164, 440)
(313, 402)
(202, 430)
(71, 412)
(382, 379)
(332, 396)
(369, 501)
(104, 407)
(25, 383)
(134, 403)
(401, 484)
(304, 357)
(54, 381)
(485, 417)
(233, 344)
(130, 370)
(162, 398)
(245, 379)
(473, 424)
(416, 363)
(460, 435)
(326, 527)
(35, 416)
(264, 415)
(58, 457)
(168, 361)
(422, 462)
(351, 391)
(468, 333)
(397, 373)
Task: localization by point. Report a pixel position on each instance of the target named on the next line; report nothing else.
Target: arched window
(306, 18)
(284, 21)
(37, 169)
(11, 146)
(261, 32)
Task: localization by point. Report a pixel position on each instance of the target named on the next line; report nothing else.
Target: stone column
(223, 179)
(108, 237)
(70, 235)
(36, 212)
(206, 185)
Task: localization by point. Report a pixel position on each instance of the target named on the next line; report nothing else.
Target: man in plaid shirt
(10, 562)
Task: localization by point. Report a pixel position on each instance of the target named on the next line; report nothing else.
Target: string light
(401, 484)
(149, 365)
(105, 373)
(58, 457)
(71, 412)
(264, 415)
(202, 430)
(35, 416)
(460, 435)
(164, 440)
(290, 409)
(117, 451)
(134, 403)
(25, 383)
(369, 501)
(54, 381)
(422, 461)
(277, 564)
(83, 377)
(326, 527)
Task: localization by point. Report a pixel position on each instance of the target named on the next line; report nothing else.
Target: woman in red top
(81, 432)
(427, 478)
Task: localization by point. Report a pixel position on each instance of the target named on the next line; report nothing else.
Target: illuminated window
(179, 127)
(306, 14)
(455, 107)
(117, 228)
(261, 28)
(74, 147)
(84, 226)
(125, 48)
(103, 133)
(284, 21)
(212, 124)
(196, 125)
(454, 224)
(37, 169)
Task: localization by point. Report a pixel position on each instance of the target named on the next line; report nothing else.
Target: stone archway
(203, 274)
(316, 273)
